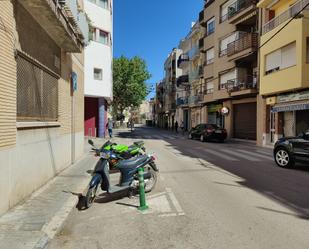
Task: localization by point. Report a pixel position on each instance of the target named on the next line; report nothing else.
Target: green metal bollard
(142, 198)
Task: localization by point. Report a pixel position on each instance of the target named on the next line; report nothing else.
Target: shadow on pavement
(289, 187)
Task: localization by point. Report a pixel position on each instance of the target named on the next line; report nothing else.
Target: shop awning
(288, 107)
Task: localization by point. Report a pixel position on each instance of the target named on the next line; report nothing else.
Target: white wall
(38, 156)
(99, 55)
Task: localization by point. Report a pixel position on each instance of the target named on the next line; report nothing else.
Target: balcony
(194, 52)
(183, 80)
(242, 46)
(207, 3)
(194, 75)
(240, 9)
(237, 87)
(201, 71)
(62, 21)
(182, 101)
(183, 60)
(286, 15)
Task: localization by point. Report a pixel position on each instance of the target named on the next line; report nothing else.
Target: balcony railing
(194, 51)
(182, 101)
(233, 85)
(184, 79)
(223, 18)
(182, 59)
(194, 75)
(222, 52)
(238, 6)
(249, 40)
(286, 15)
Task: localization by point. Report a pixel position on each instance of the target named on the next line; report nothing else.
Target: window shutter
(273, 60)
(228, 76)
(210, 54)
(288, 55)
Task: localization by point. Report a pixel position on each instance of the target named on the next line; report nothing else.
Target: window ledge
(30, 125)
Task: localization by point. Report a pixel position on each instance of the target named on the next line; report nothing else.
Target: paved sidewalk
(38, 219)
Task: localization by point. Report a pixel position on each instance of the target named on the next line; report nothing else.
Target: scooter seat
(133, 162)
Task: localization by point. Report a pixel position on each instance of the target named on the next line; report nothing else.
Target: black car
(206, 132)
(289, 150)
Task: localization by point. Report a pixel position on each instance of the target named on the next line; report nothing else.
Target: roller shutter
(245, 121)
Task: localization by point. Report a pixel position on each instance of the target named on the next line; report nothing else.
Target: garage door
(245, 121)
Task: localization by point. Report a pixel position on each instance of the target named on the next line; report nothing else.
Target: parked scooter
(120, 150)
(128, 175)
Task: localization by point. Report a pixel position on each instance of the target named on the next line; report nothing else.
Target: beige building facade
(41, 93)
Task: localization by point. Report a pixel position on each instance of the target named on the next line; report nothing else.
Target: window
(210, 26)
(210, 54)
(37, 91)
(103, 4)
(209, 87)
(224, 42)
(281, 58)
(224, 10)
(226, 77)
(103, 37)
(97, 74)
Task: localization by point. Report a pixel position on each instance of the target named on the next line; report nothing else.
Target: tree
(129, 83)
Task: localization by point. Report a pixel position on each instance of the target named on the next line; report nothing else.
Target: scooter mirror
(90, 142)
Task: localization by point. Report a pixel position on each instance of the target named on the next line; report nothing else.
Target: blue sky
(151, 29)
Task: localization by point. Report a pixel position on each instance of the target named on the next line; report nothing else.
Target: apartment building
(41, 93)
(284, 69)
(166, 92)
(190, 83)
(98, 66)
(230, 69)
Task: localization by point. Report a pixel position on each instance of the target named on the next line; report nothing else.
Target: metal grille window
(37, 91)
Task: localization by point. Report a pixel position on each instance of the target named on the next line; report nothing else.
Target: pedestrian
(176, 126)
(109, 126)
(182, 127)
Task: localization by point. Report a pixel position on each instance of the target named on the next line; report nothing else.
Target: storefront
(286, 115)
(295, 117)
(214, 115)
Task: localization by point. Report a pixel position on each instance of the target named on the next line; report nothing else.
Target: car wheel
(202, 138)
(283, 158)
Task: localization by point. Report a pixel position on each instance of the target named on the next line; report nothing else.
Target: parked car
(206, 132)
(289, 150)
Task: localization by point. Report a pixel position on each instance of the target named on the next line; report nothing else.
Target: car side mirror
(90, 142)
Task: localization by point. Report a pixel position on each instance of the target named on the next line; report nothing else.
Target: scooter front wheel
(90, 196)
(152, 181)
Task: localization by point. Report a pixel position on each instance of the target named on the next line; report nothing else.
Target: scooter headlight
(105, 155)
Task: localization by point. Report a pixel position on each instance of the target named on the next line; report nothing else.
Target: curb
(51, 228)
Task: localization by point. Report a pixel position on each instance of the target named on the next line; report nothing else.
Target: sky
(151, 29)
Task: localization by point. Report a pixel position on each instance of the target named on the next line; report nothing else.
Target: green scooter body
(121, 148)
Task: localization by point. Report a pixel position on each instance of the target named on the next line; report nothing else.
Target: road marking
(255, 154)
(175, 201)
(220, 154)
(264, 152)
(237, 154)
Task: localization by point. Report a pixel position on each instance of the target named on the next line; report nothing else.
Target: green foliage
(129, 82)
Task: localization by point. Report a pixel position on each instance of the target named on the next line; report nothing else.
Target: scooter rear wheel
(90, 196)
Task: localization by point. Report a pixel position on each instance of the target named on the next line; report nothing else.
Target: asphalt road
(209, 195)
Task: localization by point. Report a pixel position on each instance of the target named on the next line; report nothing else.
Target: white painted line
(220, 154)
(264, 152)
(156, 195)
(168, 215)
(255, 154)
(174, 200)
(237, 154)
